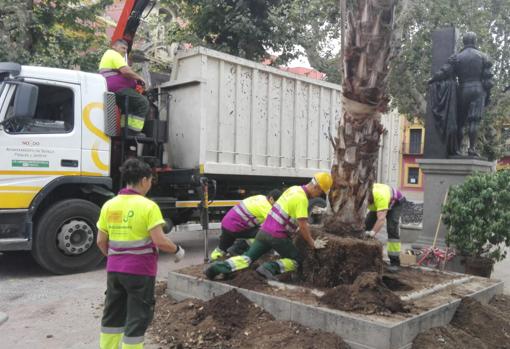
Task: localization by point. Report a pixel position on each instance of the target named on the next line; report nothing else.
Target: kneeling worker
(385, 204)
(243, 221)
(289, 213)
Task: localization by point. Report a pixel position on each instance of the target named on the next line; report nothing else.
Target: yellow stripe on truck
(96, 160)
(88, 123)
(17, 196)
(50, 173)
(19, 188)
(96, 131)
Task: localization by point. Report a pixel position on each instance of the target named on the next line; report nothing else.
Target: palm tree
(367, 52)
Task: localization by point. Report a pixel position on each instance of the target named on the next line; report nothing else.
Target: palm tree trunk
(367, 53)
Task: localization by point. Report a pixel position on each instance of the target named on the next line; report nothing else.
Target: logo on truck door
(96, 131)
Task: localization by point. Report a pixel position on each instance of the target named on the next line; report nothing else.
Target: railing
(412, 149)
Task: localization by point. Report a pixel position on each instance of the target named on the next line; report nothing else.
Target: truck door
(36, 151)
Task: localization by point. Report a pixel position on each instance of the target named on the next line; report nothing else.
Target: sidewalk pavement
(3, 317)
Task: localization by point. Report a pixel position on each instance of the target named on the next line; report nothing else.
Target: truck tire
(64, 239)
(315, 202)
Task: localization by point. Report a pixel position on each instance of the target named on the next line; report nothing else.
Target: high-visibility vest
(127, 220)
(385, 197)
(249, 213)
(291, 206)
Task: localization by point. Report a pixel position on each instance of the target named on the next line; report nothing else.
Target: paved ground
(47, 311)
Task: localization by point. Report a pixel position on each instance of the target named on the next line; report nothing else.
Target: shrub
(477, 213)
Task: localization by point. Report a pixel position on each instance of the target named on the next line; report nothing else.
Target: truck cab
(55, 164)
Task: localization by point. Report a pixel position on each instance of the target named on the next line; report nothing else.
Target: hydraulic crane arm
(129, 21)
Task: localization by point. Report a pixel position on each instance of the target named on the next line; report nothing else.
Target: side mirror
(25, 101)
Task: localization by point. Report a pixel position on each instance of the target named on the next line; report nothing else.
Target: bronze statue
(459, 93)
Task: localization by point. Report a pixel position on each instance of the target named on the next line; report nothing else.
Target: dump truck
(221, 128)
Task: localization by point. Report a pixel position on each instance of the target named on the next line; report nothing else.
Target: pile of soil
(474, 326)
(229, 321)
(248, 279)
(341, 262)
(368, 295)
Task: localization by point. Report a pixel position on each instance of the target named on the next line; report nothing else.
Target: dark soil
(230, 321)
(368, 295)
(249, 279)
(394, 284)
(341, 262)
(474, 326)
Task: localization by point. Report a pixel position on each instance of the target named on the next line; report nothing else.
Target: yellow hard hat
(324, 180)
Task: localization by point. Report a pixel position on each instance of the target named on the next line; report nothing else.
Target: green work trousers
(128, 310)
(138, 106)
(393, 228)
(290, 257)
(227, 238)
(289, 261)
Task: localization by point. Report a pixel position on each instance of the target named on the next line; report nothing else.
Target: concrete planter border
(357, 330)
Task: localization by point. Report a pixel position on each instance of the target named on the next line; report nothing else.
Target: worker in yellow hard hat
(288, 215)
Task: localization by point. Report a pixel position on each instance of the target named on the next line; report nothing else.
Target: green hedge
(477, 214)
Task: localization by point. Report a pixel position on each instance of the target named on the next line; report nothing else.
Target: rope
(358, 110)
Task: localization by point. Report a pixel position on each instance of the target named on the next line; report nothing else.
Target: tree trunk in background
(367, 52)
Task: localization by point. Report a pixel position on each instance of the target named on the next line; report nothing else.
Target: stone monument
(458, 93)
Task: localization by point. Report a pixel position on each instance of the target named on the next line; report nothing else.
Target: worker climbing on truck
(242, 222)
(288, 215)
(385, 204)
(122, 80)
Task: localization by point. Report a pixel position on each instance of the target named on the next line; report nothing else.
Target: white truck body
(233, 116)
(241, 126)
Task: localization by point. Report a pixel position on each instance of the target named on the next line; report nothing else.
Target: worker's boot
(394, 264)
(216, 269)
(263, 271)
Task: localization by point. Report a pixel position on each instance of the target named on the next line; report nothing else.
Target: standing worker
(130, 235)
(288, 214)
(385, 204)
(121, 80)
(243, 221)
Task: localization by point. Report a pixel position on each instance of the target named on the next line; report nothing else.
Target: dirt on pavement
(474, 325)
(367, 295)
(229, 321)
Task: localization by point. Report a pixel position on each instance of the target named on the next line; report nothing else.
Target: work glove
(319, 210)
(370, 234)
(179, 254)
(320, 243)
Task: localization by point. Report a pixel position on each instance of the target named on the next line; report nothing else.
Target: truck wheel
(64, 240)
(312, 203)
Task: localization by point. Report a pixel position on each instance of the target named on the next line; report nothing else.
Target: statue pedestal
(441, 174)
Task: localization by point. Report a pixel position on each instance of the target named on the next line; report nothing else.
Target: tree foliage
(319, 35)
(490, 19)
(244, 28)
(253, 29)
(477, 215)
(54, 33)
